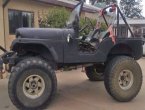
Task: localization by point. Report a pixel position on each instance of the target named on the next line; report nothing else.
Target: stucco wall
(1, 25)
(23, 5)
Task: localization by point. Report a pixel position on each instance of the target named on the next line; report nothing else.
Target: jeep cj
(37, 52)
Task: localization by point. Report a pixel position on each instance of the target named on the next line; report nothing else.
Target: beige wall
(91, 15)
(23, 5)
(1, 25)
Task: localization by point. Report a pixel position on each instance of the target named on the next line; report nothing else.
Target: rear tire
(93, 74)
(123, 78)
(32, 84)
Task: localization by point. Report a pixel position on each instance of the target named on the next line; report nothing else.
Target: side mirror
(69, 38)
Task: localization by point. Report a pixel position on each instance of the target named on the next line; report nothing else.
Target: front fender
(37, 45)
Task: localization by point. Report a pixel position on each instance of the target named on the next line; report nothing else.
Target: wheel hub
(33, 86)
(125, 79)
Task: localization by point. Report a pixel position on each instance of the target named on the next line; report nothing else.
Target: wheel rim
(33, 86)
(125, 79)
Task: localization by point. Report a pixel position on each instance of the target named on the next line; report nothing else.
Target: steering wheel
(89, 24)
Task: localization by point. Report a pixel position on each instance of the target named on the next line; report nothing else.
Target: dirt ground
(76, 92)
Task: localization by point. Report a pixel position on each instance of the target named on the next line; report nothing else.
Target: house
(24, 13)
(136, 25)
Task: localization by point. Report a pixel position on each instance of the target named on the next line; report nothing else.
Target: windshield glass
(75, 14)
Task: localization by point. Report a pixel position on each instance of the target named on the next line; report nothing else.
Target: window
(143, 30)
(123, 31)
(18, 19)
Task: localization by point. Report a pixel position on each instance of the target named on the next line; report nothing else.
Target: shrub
(83, 22)
(57, 17)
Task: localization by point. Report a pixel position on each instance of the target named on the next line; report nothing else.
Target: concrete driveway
(76, 92)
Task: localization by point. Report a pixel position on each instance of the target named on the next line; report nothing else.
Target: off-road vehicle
(36, 53)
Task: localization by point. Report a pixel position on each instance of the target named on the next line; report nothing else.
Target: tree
(131, 8)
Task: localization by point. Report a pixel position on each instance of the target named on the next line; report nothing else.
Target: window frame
(22, 11)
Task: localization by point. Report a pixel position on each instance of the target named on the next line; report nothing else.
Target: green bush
(83, 22)
(57, 17)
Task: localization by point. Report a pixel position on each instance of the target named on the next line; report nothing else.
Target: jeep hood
(42, 33)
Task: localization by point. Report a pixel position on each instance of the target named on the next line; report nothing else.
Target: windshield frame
(74, 17)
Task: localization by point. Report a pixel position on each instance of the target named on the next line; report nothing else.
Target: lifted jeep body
(36, 53)
(62, 51)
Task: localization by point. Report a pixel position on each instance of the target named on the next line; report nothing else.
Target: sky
(143, 3)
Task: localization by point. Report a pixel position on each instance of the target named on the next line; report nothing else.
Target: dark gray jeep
(37, 53)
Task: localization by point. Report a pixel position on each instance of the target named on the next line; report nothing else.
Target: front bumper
(6, 58)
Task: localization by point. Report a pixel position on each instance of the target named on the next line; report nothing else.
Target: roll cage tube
(113, 8)
(103, 12)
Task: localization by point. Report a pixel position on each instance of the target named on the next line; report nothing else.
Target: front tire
(32, 84)
(123, 78)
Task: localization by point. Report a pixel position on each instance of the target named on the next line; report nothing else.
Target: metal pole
(124, 19)
(118, 22)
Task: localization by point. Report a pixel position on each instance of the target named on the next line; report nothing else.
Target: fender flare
(17, 43)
